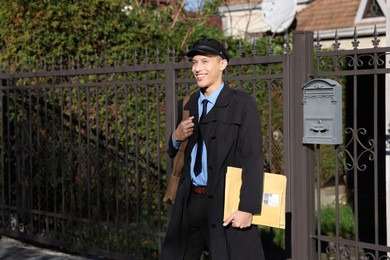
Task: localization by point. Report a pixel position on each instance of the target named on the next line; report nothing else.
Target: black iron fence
(83, 163)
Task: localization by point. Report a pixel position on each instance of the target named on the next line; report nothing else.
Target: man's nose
(197, 67)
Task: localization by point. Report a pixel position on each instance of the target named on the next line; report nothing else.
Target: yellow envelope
(273, 213)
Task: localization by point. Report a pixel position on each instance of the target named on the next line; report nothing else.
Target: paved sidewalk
(11, 249)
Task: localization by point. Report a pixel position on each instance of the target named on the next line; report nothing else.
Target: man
(228, 134)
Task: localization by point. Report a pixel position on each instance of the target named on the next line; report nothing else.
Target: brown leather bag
(178, 163)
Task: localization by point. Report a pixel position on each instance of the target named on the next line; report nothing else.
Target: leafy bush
(53, 29)
(274, 239)
(346, 221)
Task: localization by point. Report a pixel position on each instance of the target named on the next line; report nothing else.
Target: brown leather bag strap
(178, 161)
(186, 113)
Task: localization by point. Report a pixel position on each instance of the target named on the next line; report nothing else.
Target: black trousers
(199, 238)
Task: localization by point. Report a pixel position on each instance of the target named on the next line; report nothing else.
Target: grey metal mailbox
(322, 112)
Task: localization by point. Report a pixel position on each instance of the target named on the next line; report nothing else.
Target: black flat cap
(208, 46)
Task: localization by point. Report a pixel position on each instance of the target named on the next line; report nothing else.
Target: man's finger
(228, 221)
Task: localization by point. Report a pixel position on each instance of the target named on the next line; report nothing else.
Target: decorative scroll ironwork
(366, 150)
(377, 60)
(343, 252)
(333, 250)
(371, 256)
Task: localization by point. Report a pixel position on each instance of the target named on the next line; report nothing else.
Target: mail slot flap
(318, 91)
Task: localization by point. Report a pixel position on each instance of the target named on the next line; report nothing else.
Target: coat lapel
(222, 101)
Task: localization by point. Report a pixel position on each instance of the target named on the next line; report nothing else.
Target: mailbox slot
(325, 91)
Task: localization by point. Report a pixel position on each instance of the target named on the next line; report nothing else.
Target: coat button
(213, 137)
(210, 197)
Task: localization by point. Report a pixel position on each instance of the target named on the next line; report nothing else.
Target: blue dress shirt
(201, 179)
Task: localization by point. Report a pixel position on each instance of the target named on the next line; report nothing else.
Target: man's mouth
(201, 76)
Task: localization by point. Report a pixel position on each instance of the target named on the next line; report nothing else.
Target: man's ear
(223, 64)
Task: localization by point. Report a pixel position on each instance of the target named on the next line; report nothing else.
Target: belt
(199, 189)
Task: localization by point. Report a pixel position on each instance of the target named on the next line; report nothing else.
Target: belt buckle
(199, 190)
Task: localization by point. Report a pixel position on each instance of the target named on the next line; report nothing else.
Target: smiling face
(208, 70)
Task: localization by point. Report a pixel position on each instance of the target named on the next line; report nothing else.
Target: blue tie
(198, 160)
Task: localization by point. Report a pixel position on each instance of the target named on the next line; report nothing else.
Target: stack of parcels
(273, 213)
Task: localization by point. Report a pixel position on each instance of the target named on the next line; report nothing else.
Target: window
(370, 11)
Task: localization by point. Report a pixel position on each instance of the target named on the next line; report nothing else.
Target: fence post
(171, 114)
(299, 157)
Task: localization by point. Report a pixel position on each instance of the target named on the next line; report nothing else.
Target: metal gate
(340, 212)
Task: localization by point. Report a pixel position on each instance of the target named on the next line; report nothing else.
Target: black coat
(232, 135)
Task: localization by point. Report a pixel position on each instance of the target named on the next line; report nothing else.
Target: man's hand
(239, 219)
(184, 130)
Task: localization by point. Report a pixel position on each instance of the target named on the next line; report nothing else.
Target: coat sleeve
(250, 152)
